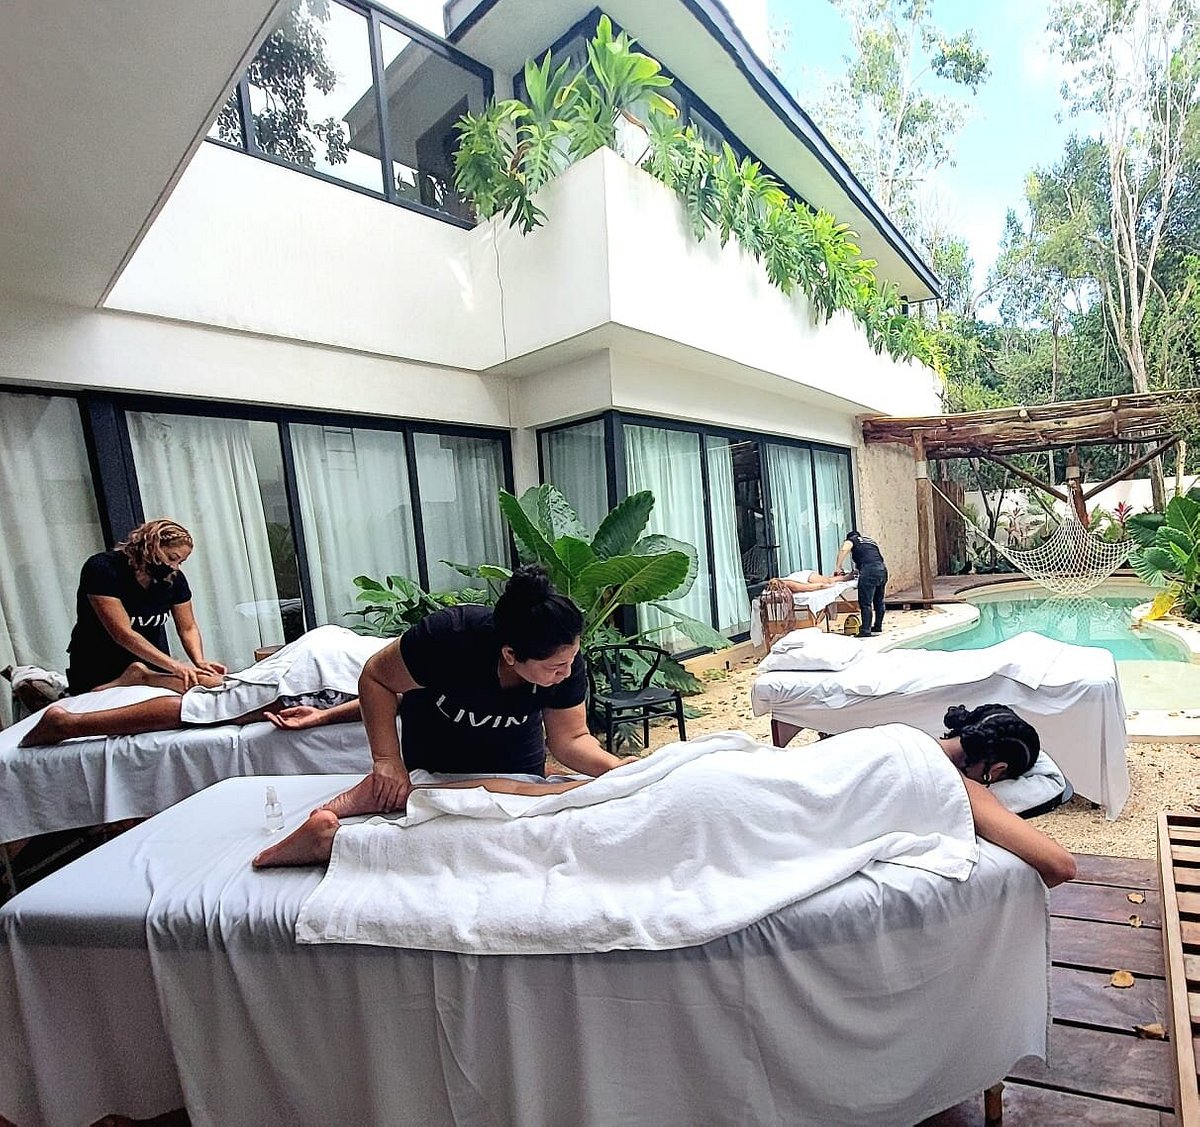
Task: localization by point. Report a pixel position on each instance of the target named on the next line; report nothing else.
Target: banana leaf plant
(1168, 551)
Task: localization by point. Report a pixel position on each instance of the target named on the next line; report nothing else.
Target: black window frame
(104, 419)
(618, 478)
(376, 18)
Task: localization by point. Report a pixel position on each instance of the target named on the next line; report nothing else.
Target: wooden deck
(1101, 1073)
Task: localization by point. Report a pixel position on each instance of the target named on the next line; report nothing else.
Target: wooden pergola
(1133, 420)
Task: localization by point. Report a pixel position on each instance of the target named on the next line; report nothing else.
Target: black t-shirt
(461, 721)
(95, 657)
(866, 553)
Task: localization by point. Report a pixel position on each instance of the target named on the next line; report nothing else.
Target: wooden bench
(1179, 881)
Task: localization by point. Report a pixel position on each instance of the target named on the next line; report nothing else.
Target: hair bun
(529, 584)
(955, 718)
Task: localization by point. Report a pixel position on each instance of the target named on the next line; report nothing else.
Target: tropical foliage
(1168, 553)
(512, 148)
(390, 607)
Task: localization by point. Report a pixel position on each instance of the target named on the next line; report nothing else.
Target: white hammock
(1072, 561)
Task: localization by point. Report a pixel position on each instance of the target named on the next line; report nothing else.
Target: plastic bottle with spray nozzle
(274, 812)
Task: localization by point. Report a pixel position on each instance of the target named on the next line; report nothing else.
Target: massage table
(88, 782)
(811, 608)
(1069, 693)
(160, 971)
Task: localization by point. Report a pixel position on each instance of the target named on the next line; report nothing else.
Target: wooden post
(924, 507)
(1075, 488)
(993, 1105)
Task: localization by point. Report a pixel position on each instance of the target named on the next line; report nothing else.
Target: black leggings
(871, 584)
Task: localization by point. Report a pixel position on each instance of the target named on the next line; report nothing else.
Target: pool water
(1101, 620)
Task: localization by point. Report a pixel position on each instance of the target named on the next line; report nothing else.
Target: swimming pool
(1100, 619)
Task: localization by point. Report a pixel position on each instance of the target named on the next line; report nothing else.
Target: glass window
(714, 138)
(356, 511)
(733, 604)
(667, 462)
(427, 93)
(222, 479)
(574, 459)
(459, 480)
(312, 95)
(48, 525)
(228, 126)
(789, 470)
(835, 515)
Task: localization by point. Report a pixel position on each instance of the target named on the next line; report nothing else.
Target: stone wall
(887, 506)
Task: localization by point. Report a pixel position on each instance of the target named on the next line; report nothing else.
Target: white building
(330, 371)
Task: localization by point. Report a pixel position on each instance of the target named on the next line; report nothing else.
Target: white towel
(696, 841)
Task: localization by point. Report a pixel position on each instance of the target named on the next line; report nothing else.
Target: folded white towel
(696, 841)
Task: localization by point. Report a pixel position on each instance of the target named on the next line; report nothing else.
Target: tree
(1136, 64)
(291, 57)
(891, 130)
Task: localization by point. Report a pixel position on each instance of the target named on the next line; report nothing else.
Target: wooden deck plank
(1095, 1063)
(1086, 996)
(1183, 1059)
(1027, 1106)
(1103, 902)
(1107, 947)
(1134, 872)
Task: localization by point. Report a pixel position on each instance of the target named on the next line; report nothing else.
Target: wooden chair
(619, 689)
(777, 611)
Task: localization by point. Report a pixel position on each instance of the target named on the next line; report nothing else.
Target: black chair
(620, 692)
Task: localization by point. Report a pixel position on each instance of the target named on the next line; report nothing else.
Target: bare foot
(136, 673)
(311, 844)
(359, 799)
(54, 726)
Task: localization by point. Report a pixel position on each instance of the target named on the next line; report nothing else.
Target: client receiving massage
(308, 683)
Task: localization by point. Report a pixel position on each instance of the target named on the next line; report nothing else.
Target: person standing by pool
(124, 599)
(872, 578)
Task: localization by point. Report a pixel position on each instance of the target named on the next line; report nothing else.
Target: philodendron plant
(1168, 553)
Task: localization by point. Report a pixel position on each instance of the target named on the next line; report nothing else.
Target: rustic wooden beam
(1023, 475)
(1162, 448)
(1074, 488)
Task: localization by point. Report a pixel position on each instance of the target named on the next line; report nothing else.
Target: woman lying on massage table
(308, 683)
(986, 744)
(801, 582)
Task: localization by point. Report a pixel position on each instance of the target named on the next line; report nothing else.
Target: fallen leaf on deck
(1152, 1032)
(1135, 921)
(1136, 898)
(1121, 979)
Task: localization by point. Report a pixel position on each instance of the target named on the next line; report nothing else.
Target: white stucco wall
(53, 346)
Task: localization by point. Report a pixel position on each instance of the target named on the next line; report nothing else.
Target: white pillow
(1042, 782)
(811, 650)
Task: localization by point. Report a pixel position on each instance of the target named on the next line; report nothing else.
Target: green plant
(391, 607)
(1168, 552)
(512, 148)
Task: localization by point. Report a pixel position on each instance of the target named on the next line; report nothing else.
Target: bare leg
(312, 843)
(803, 588)
(139, 673)
(57, 724)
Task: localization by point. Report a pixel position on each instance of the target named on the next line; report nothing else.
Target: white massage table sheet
(1069, 693)
(87, 782)
(111, 1007)
(815, 602)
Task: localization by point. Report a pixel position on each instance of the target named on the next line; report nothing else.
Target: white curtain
(733, 603)
(48, 526)
(574, 460)
(356, 511)
(201, 472)
(667, 462)
(460, 481)
(833, 503)
(789, 470)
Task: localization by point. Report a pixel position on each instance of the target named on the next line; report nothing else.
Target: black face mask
(160, 571)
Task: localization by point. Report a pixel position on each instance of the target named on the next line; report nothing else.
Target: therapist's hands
(391, 784)
(213, 668)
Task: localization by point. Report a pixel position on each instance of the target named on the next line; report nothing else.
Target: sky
(1011, 127)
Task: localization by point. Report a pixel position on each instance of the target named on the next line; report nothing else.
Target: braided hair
(144, 545)
(533, 618)
(993, 733)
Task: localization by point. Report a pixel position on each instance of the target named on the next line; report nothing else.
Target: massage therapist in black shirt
(481, 691)
(122, 605)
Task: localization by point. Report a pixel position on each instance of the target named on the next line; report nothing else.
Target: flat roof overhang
(104, 105)
(700, 44)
